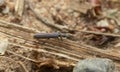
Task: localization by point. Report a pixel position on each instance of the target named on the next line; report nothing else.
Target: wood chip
(19, 7)
(3, 45)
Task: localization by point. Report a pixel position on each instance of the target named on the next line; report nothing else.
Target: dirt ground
(85, 29)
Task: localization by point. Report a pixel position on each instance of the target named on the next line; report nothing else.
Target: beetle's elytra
(49, 35)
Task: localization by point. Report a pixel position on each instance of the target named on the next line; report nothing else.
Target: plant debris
(3, 45)
(88, 28)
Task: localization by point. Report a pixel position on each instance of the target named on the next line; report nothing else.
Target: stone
(95, 65)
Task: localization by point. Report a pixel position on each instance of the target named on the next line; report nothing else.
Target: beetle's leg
(60, 36)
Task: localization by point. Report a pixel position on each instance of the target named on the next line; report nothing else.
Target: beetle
(50, 35)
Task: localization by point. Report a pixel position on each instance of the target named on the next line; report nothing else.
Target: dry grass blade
(8, 64)
(16, 26)
(23, 66)
(45, 51)
(100, 33)
(60, 63)
(26, 58)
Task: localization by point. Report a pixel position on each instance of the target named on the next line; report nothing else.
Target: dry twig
(100, 33)
(48, 23)
(26, 58)
(23, 66)
(60, 63)
(16, 26)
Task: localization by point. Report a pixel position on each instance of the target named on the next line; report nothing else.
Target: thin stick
(100, 33)
(59, 27)
(6, 24)
(45, 51)
(26, 58)
(61, 63)
(23, 66)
